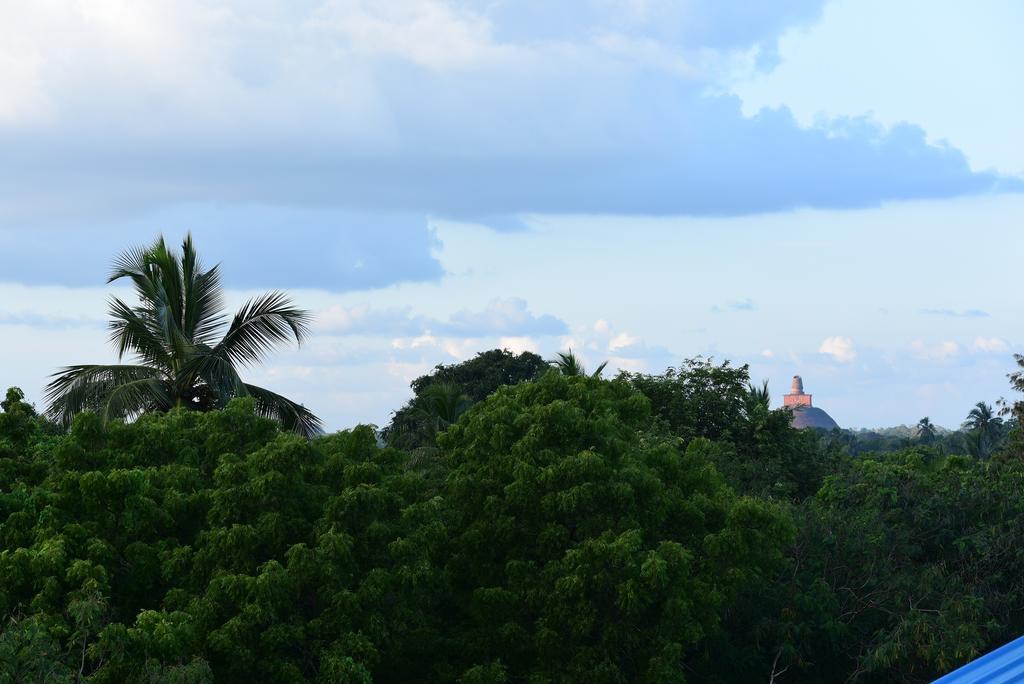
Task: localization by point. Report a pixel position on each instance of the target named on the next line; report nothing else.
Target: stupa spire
(796, 396)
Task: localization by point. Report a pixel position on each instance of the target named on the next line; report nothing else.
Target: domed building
(806, 415)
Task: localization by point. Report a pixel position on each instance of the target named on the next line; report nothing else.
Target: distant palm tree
(986, 425)
(925, 431)
(758, 396)
(440, 405)
(974, 444)
(981, 417)
(187, 354)
(570, 365)
(437, 407)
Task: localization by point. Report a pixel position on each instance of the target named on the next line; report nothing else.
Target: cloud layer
(476, 111)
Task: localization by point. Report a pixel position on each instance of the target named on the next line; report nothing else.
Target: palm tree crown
(926, 430)
(187, 352)
(982, 418)
(570, 365)
(984, 429)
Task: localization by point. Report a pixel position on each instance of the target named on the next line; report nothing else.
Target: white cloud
(503, 317)
(407, 372)
(943, 351)
(426, 340)
(518, 345)
(463, 349)
(627, 364)
(621, 341)
(838, 347)
(767, 353)
(989, 345)
(349, 103)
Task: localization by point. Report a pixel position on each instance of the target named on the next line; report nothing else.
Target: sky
(827, 188)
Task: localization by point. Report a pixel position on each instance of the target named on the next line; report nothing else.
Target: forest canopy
(557, 527)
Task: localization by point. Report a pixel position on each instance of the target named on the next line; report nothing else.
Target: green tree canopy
(417, 423)
(194, 547)
(582, 549)
(699, 398)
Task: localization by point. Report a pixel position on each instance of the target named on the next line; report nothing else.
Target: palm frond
(600, 369)
(165, 267)
(292, 416)
(131, 332)
(75, 389)
(568, 364)
(131, 399)
(758, 397)
(217, 372)
(133, 264)
(441, 404)
(260, 325)
(203, 297)
(156, 274)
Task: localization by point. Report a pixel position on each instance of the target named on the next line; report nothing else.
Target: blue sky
(834, 189)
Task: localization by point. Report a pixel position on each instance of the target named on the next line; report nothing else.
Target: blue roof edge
(988, 666)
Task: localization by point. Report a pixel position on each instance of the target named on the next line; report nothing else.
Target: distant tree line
(983, 433)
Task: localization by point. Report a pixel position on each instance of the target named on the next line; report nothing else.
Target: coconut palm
(974, 444)
(925, 431)
(440, 405)
(981, 418)
(187, 354)
(569, 364)
(437, 407)
(757, 397)
(988, 427)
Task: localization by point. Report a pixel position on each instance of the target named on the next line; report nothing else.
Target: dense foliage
(440, 397)
(658, 528)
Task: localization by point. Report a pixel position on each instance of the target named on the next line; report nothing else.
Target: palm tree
(570, 365)
(437, 407)
(974, 444)
(187, 354)
(988, 427)
(925, 431)
(757, 397)
(440, 405)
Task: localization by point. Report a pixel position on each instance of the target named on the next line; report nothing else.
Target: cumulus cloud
(623, 350)
(622, 341)
(518, 345)
(362, 320)
(989, 345)
(503, 317)
(838, 347)
(424, 340)
(460, 110)
(942, 351)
